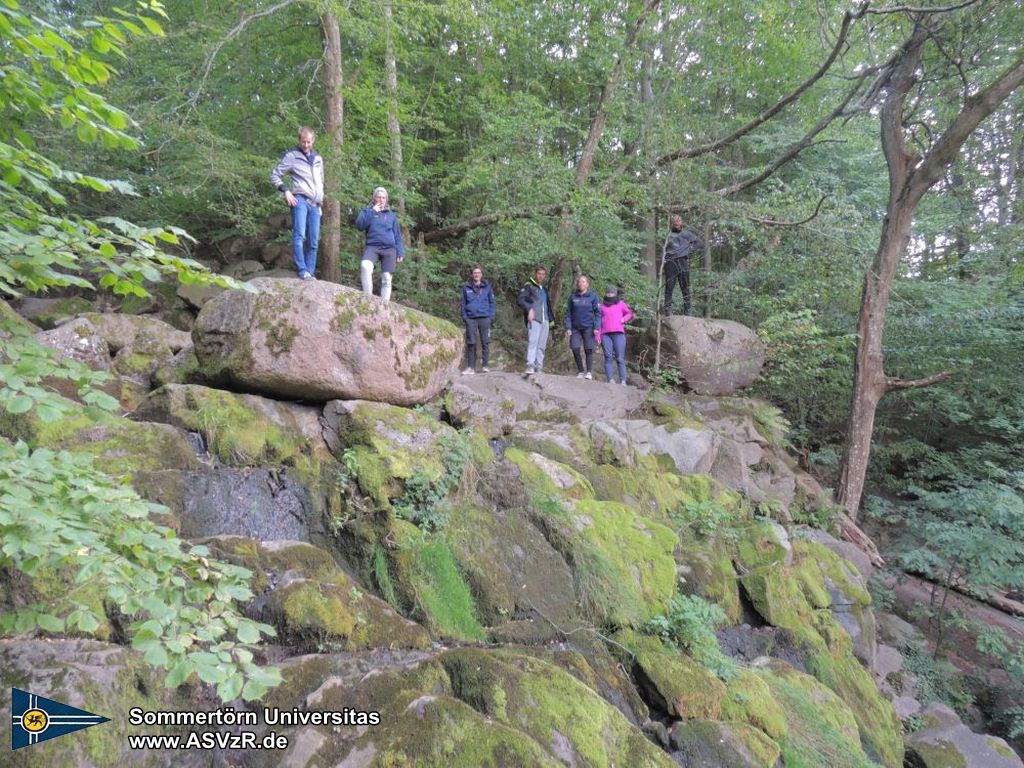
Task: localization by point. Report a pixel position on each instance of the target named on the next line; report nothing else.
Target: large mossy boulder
(945, 742)
(315, 340)
(716, 357)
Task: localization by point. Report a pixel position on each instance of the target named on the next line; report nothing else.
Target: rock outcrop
(716, 357)
(318, 341)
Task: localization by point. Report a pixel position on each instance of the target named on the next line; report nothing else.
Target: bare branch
(780, 223)
(460, 228)
(914, 10)
(794, 150)
(231, 35)
(892, 384)
(977, 108)
(683, 154)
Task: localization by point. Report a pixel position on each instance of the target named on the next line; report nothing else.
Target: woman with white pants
(383, 243)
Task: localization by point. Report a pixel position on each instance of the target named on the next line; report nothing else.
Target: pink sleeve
(627, 313)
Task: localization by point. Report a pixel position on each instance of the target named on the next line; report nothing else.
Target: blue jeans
(305, 234)
(614, 344)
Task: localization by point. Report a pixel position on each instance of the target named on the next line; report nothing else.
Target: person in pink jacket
(615, 313)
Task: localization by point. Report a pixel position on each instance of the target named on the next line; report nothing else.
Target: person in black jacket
(582, 318)
(477, 307)
(536, 305)
(680, 244)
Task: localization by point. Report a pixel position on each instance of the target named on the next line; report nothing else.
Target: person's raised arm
(364, 218)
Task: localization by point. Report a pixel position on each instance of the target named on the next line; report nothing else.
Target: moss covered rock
(243, 430)
(385, 446)
(48, 313)
(798, 598)
(820, 728)
(748, 699)
(134, 347)
(311, 601)
(622, 563)
(736, 745)
(317, 340)
(678, 685)
(548, 477)
(515, 575)
(558, 711)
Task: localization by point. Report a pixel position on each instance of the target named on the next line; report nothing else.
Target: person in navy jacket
(383, 243)
(582, 318)
(477, 307)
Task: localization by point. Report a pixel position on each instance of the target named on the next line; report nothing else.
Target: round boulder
(716, 357)
(314, 340)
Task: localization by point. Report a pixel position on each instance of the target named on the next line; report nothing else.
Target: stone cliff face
(493, 570)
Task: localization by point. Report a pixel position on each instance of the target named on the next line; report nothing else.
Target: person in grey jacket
(680, 244)
(305, 197)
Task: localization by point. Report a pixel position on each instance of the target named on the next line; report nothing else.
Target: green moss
(748, 699)
(941, 754)
(428, 584)
(758, 545)
(545, 477)
(712, 575)
(821, 730)
(680, 686)
(308, 611)
(725, 744)
(57, 592)
(796, 599)
(1000, 747)
(556, 709)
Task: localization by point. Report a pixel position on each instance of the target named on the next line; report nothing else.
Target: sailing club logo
(35, 718)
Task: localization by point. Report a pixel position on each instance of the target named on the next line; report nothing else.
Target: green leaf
(19, 404)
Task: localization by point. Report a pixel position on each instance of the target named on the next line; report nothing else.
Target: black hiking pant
(677, 270)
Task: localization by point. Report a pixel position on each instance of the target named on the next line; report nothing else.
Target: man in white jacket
(306, 196)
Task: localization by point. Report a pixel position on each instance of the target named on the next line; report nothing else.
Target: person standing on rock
(680, 244)
(383, 243)
(306, 196)
(478, 308)
(615, 313)
(536, 305)
(582, 321)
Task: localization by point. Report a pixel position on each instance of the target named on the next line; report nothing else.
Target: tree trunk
(869, 381)
(910, 177)
(334, 102)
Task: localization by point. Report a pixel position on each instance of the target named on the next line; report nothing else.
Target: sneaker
(623, 383)
(588, 375)
(579, 375)
(306, 276)
(468, 372)
(485, 369)
(528, 371)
